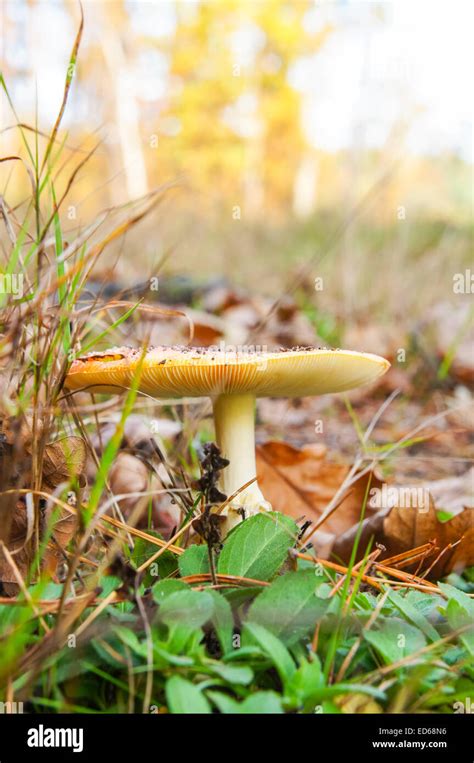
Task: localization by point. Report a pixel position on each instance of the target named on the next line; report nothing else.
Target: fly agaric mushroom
(233, 380)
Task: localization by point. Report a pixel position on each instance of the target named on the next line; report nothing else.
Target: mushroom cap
(199, 372)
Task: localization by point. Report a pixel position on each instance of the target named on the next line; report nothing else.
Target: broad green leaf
(262, 703)
(414, 615)
(233, 674)
(194, 561)
(184, 697)
(328, 708)
(108, 584)
(185, 612)
(425, 603)
(223, 702)
(395, 639)
(365, 600)
(189, 608)
(460, 613)
(46, 590)
(462, 582)
(258, 547)
(458, 617)
(165, 588)
(248, 653)
(144, 549)
(242, 595)
(306, 682)
(462, 598)
(275, 650)
(289, 607)
(131, 639)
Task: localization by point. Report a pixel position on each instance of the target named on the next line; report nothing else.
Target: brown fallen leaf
(301, 482)
(407, 528)
(21, 549)
(401, 529)
(20, 530)
(63, 530)
(63, 460)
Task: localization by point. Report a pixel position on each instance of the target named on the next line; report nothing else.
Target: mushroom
(233, 380)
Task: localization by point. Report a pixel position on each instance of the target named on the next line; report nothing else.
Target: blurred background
(304, 140)
(317, 160)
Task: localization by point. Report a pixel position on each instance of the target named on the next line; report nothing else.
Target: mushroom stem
(234, 421)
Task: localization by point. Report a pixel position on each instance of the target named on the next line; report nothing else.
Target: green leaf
(223, 702)
(328, 708)
(108, 584)
(289, 607)
(46, 590)
(144, 549)
(459, 617)
(130, 638)
(462, 598)
(69, 668)
(189, 608)
(170, 658)
(184, 697)
(222, 620)
(258, 547)
(461, 581)
(460, 613)
(194, 561)
(263, 702)
(395, 639)
(306, 682)
(425, 603)
(237, 597)
(233, 674)
(185, 612)
(414, 615)
(248, 653)
(275, 650)
(165, 588)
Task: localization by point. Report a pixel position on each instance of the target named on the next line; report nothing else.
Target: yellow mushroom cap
(200, 372)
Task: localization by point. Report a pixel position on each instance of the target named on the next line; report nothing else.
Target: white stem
(234, 421)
